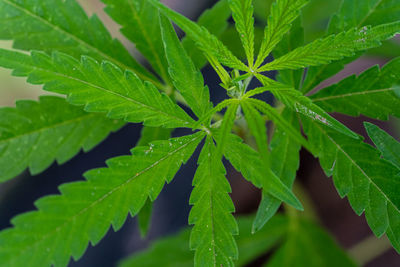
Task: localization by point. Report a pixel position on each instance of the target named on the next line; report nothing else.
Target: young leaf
(308, 245)
(215, 20)
(283, 13)
(269, 181)
(370, 183)
(225, 128)
(176, 253)
(34, 25)
(371, 94)
(99, 87)
(387, 145)
(140, 24)
(242, 12)
(208, 43)
(64, 224)
(186, 78)
(294, 100)
(211, 214)
(283, 150)
(334, 47)
(34, 134)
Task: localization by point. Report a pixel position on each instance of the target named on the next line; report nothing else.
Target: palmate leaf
(64, 224)
(371, 94)
(214, 225)
(100, 87)
(187, 79)
(308, 245)
(140, 24)
(283, 13)
(242, 12)
(283, 150)
(334, 47)
(215, 20)
(34, 134)
(176, 252)
(370, 183)
(386, 144)
(33, 25)
(353, 13)
(208, 43)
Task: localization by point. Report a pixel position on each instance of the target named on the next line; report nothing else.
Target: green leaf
(294, 100)
(187, 79)
(284, 161)
(211, 214)
(282, 14)
(176, 252)
(242, 12)
(64, 224)
(258, 172)
(225, 128)
(208, 43)
(334, 47)
(353, 13)
(279, 121)
(99, 87)
(308, 245)
(34, 25)
(148, 135)
(386, 144)
(215, 20)
(34, 134)
(370, 183)
(140, 24)
(371, 94)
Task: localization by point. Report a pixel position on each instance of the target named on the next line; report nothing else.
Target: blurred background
(171, 209)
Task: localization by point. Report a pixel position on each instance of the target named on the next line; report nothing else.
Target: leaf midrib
(106, 195)
(359, 168)
(353, 94)
(185, 122)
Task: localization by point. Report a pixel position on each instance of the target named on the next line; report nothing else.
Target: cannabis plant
(105, 88)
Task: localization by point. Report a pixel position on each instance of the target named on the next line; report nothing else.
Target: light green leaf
(285, 161)
(294, 100)
(214, 226)
(225, 128)
(99, 87)
(215, 20)
(176, 252)
(34, 25)
(187, 79)
(34, 134)
(308, 245)
(386, 144)
(334, 47)
(208, 43)
(370, 183)
(371, 94)
(140, 24)
(282, 14)
(268, 180)
(64, 224)
(242, 12)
